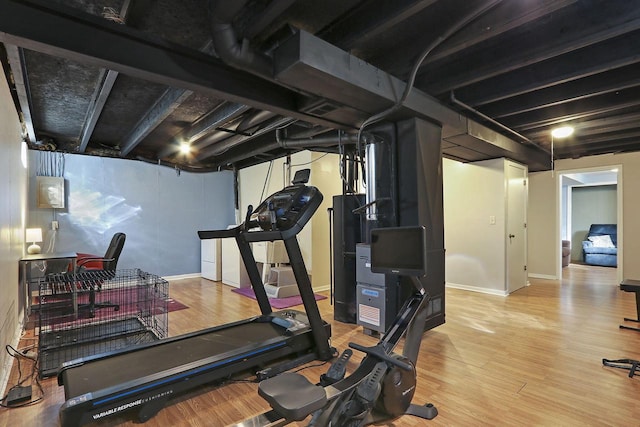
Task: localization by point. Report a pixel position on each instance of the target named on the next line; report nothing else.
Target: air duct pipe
(321, 141)
(302, 143)
(225, 40)
(185, 168)
(495, 122)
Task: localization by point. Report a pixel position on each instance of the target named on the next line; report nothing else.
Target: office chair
(92, 271)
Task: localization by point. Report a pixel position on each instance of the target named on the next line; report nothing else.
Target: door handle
(511, 236)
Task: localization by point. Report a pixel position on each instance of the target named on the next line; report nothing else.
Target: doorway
(588, 196)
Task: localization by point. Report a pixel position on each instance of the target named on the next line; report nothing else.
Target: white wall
(543, 246)
(544, 213)
(314, 238)
(475, 249)
(13, 196)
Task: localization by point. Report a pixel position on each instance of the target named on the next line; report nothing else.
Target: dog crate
(91, 312)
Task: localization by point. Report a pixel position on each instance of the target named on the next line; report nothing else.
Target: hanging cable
(414, 71)
(266, 180)
(309, 162)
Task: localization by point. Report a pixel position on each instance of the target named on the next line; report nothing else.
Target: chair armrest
(91, 262)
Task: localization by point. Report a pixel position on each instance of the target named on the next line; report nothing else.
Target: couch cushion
(602, 241)
(604, 229)
(599, 250)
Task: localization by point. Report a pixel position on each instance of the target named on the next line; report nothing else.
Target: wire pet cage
(93, 312)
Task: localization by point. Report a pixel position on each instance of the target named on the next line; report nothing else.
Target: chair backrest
(113, 251)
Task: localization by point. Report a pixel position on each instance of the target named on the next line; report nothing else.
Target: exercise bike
(383, 385)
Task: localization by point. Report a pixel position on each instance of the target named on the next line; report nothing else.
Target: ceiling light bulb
(562, 132)
(185, 148)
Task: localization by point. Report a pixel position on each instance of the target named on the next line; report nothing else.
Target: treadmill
(143, 378)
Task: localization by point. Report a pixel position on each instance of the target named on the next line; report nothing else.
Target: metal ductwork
(180, 168)
(229, 48)
(312, 65)
(321, 141)
(282, 142)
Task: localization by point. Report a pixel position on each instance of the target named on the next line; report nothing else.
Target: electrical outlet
(54, 225)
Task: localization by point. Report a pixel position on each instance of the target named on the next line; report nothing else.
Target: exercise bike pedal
(337, 370)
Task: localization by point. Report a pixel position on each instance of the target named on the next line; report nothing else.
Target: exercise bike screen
(399, 250)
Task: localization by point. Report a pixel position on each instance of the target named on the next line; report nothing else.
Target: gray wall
(590, 205)
(159, 211)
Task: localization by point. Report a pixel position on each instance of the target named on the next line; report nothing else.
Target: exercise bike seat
(292, 395)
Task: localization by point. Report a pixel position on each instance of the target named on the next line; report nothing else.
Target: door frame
(560, 212)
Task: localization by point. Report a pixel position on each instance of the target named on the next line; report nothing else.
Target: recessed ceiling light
(562, 132)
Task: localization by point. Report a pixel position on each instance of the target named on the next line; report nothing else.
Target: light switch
(492, 219)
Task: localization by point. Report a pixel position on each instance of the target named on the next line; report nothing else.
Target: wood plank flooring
(532, 358)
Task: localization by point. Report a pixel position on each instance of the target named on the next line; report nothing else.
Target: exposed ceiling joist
(101, 94)
(571, 66)
(524, 50)
(98, 100)
(81, 37)
(217, 117)
(616, 80)
(526, 64)
(165, 105)
(371, 19)
(17, 63)
(572, 111)
(506, 16)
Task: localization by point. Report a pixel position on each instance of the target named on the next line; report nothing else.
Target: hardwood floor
(532, 358)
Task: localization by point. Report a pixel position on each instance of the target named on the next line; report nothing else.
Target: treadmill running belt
(116, 370)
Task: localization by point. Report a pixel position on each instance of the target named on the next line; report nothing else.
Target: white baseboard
(183, 276)
(542, 276)
(476, 289)
(198, 275)
(322, 288)
(6, 369)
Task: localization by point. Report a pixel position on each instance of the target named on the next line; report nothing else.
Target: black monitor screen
(399, 250)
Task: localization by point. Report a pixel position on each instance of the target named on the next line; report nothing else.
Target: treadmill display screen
(399, 250)
(282, 210)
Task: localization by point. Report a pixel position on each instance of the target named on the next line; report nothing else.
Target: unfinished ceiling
(136, 78)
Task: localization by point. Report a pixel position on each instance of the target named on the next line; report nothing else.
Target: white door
(516, 226)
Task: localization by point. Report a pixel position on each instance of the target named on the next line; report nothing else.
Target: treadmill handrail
(219, 234)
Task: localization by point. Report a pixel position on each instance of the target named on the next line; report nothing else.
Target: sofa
(601, 245)
(566, 253)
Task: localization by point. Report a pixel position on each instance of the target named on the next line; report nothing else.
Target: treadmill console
(287, 207)
(293, 205)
